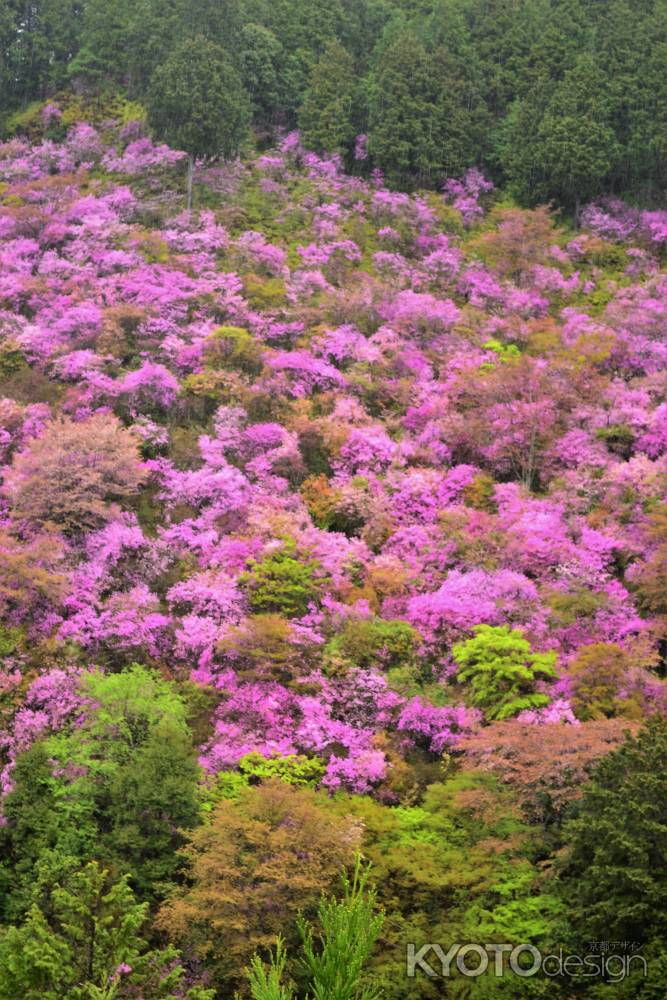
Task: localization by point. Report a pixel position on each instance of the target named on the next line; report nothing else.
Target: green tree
(260, 859)
(349, 929)
(614, 874)
(577, 148)
(84, 942)
(103, 55)
(628, 52)
(120, 785)
(196, 102)
(516, 145)
(283, 582)
(335, 957)
(501, 669)
(149, 802)
(372, 642)
(262, 58)
(266, 983)
(325, 117)
(456, 867)
(35, 827)
(36, 41)
(417, 122)
(563, 33)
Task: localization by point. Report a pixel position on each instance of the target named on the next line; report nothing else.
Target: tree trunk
(191, 168)
(577, 211)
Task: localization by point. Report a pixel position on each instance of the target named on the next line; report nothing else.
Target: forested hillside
(333, 532)
(554, 99)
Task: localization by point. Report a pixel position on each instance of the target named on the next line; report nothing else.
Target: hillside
(562, 100)
(334, 519)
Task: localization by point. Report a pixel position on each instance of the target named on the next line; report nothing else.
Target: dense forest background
(555, 99)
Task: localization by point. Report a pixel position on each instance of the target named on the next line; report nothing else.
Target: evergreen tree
(150, 801)
(517, 146)
(577, 149)
(103, 56)
(564, 32)
(349, 930)
(401, 110)
(37, 41)
(120, 785)
(614, 875)
(334, 957)
(155, 30)
(84, 942)
(262, 58)
(196, 102)
(418, 126)
(35, 828)
(267, 983)
(629, 52)
(325, 117)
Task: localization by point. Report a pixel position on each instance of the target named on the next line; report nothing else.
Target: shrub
(372, 642)
(71, 473)
(233, 347)
(282, 583)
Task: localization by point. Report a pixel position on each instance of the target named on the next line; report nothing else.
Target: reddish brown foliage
(546, 765)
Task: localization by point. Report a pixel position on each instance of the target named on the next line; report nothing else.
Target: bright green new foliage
(83, 942)
(283, 583)
(501, 669)
(335, 958)
(266, 983)
(350, 928)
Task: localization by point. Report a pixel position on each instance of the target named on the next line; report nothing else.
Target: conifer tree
(577, 146)
(196, 102)
(325, 117)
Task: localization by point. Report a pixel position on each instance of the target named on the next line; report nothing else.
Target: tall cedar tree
(197, 102)
(325, 117)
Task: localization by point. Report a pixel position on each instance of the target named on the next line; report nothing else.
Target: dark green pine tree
(105, 37)
(197, 102)
(262, 59)
(36, 828)
(565, 31)
(325, 117)
(517, 146)
(36, 41)
(402, 110)
(632, 52)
